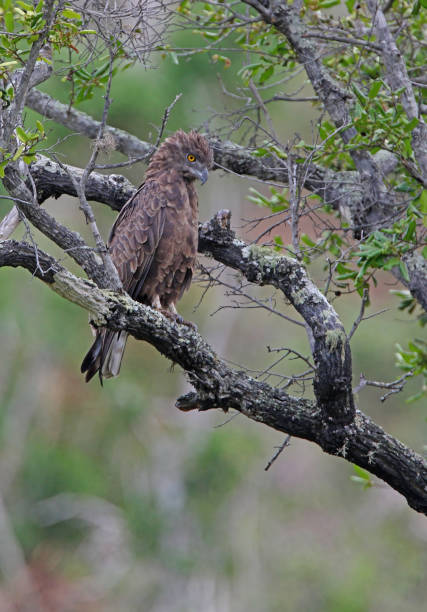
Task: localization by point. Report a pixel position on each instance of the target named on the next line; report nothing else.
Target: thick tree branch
(114, 190)
(228, 155)
(261, 265)
(343, 190)
(53, 180)
(71, 242)
(78, 121)
(398, 79)
(417, 272)
(218, 386)
(337, 101)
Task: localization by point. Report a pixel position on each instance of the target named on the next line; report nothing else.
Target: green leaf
(375, 87)
(391, 263)
(409, 234)
(8, 64)
(8, 21)
(70, 14)
(422, 201)
(404, 187)
(252, 67)
(414, 398)
(24, 5)
(210, 35)
(22, 135)
(307, 240)
(363, 477)
(361, 472)
(360, 95)
(410, 126)
(358, 480)
(174, 57)
(278, 242)
(266, 74)
(404, 271)
(18, 153)
(346, 275)
(101, 70)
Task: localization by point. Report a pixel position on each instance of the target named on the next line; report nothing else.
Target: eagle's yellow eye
(191, 157)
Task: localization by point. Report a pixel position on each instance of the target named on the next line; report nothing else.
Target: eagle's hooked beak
(203, 175)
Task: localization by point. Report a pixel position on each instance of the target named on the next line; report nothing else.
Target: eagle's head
(188, 153)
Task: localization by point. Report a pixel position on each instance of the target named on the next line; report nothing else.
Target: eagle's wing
(135, 236)
(133, 241)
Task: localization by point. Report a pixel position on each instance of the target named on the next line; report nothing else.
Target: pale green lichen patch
(238, 243)
(334, 338)
(82, 292)
(300, 297)
(124, 300)
(263, 256)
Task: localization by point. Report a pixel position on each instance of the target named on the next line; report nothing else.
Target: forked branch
(218, 386)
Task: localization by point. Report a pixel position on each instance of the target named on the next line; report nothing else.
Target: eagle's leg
(172, 313)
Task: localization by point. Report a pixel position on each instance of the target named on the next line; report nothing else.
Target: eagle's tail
(105, 355)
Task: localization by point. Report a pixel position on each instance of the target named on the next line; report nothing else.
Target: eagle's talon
(174, 316)
(187, 323)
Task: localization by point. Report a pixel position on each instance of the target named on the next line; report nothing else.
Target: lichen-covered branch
(331, 351)
(218, 386)
(53, 180)
(83, 123)
(417, 273)
(285, 17)
(114, 190)
(398, 79)
(228, 156)
(71, 242)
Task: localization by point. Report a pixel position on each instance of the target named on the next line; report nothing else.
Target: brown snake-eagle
(153, 242)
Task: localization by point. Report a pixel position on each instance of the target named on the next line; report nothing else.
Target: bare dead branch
(396, 386)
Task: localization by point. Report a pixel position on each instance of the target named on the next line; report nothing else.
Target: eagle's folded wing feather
(135, 236)
(133, 241)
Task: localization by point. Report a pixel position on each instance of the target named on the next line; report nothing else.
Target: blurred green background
(120, 502)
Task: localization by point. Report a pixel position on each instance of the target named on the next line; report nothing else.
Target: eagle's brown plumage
(153, 242)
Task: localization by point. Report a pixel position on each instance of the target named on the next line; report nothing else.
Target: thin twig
(80, 187)
(394, 387)
(365, 298)
(281, 448)
(294, 204)
(165, 119)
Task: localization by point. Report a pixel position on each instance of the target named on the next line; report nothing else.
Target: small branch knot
(218, 227)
